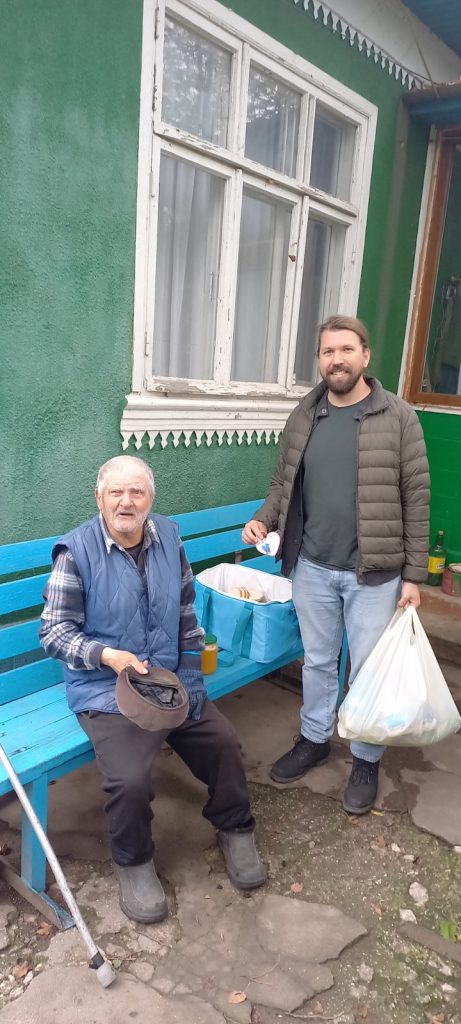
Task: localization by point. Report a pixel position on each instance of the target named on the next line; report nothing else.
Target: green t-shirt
(330, 486)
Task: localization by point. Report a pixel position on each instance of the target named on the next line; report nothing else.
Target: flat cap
(156, 700)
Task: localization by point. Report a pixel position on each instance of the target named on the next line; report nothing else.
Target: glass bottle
(210, 655)
(436, 561)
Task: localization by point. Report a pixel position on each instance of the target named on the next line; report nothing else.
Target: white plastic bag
(399, 697)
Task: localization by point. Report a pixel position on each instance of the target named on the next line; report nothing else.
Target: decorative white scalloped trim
(178, 420)
(355, 38)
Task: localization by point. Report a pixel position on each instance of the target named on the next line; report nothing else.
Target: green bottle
(436, 561)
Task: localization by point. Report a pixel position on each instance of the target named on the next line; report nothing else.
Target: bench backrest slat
(206, 519)
(21, 681)
(29, 554)
(201, 548)
(263, 562)
(19, 639)
(22, 594)
(208, 534)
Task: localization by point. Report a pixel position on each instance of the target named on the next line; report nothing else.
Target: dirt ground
(380, 869)
(307, 840)
(363, 865)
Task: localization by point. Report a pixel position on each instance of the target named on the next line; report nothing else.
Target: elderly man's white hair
(118, 462)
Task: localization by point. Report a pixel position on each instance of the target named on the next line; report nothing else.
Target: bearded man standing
(350, 499)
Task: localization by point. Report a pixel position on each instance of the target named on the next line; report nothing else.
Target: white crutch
(104, 971)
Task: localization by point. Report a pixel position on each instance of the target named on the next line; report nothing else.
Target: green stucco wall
(69, 78)
(69, 75)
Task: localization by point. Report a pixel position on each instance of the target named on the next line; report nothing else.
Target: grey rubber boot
(141, 894)
(243, 863)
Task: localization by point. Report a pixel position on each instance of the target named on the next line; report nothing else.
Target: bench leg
(32, 881)
(33, 860)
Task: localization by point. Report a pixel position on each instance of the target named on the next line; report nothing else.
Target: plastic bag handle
(397, 616)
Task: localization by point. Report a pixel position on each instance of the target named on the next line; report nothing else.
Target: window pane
(442, 372)
(272, 122)
(319, 293)
(188, 248)
(263, 257)
(196, 83)
(332, 154)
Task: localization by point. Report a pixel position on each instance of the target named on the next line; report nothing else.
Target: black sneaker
(361, 790)
(304, 755)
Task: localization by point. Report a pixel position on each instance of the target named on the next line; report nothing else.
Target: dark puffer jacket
(392, 486)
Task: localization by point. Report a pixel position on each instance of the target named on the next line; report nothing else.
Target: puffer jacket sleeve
(415, 496)
(269, 512)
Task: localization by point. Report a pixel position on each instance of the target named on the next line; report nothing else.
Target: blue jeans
(326, 601)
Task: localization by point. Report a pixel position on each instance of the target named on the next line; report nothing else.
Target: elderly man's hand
(253, 532)
(410, 596)
(118, 660)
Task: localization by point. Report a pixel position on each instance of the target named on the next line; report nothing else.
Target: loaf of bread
(247, 595)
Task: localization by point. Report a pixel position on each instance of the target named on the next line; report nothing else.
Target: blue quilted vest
(121, 611)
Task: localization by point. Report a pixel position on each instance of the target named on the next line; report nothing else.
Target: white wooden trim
(392, 37)
(199, 20)
(267, 45)
(172, 136)
(298, 281)
(181, 418)
(142, 210)
(171, 398)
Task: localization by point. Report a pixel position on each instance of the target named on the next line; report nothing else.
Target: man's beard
(342, 385)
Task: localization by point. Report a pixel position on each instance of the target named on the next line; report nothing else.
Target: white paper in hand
(269, 545)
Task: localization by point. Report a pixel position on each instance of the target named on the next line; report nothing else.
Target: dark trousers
(124, 755)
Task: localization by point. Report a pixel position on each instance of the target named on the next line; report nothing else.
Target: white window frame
(164, 406)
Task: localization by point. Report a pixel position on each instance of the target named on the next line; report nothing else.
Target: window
(253, 182)
(434, 372)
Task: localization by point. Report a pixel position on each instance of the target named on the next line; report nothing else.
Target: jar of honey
(210, 655)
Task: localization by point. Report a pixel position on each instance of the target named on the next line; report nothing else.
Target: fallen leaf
(381, 842)
(20, 971)
(362, 1010)
(296, 887)
(376, 910)
(317, 1007)
(237, 997)
(395, 848)
(45, 928)
(448, 930)
(438, 1018)
(379, 814)
(353, 819)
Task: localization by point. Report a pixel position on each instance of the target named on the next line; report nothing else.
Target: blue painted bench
(39, 733)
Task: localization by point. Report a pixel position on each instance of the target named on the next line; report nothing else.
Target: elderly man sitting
(120, 597)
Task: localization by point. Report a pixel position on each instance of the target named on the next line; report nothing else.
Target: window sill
(449, 407)
(175, 419)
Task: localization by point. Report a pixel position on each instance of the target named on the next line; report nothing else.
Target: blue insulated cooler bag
(249, 629)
